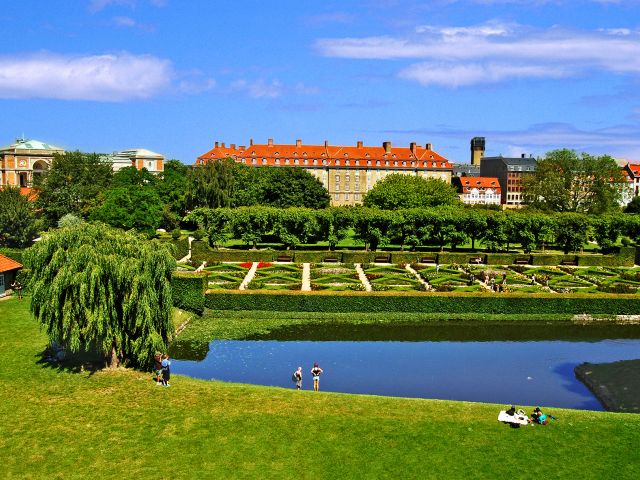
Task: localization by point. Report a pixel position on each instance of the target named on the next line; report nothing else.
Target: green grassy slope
(59, 424)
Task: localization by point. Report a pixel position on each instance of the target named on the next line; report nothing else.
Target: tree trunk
(112, 358)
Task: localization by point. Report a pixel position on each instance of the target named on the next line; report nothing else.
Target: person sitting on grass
(540, 418)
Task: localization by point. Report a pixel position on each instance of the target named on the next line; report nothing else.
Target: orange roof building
(478, 190)
(8, 270)
(347, 172)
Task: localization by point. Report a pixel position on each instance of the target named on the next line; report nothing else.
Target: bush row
(188, 291)
(201, 252)
(336, 302)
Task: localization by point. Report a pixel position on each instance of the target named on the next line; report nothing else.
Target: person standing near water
(166, 370)
(298, 376)
(316, 371)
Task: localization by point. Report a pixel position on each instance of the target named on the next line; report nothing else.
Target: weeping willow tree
(98, 288)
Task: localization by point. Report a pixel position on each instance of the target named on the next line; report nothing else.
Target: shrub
(176, 233)
(349, 301)
(198, 234)
(188, 291)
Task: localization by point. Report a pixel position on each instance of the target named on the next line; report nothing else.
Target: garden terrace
(277, 277)
(391, 277)
(334, 278)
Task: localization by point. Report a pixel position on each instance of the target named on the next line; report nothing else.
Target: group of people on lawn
(162, 367)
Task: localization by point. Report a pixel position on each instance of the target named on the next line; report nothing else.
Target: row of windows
(346, 197)
(347, 163)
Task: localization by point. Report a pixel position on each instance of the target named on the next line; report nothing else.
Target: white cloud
(124, 21)
(492, 52)
(96, 6)
(110, 78)
(270, 89)
(449, 75)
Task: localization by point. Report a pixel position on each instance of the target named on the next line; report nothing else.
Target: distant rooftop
(24, 144)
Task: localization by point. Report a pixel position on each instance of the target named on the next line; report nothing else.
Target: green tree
(216, 222)
(495, 237)
(72, 184)
(285, 187)
(135, 207)
(633, 206)
(607, 229)
(69, 220)
(211, 185)
(250, 224)
(572, 230)
(474, 224)
(171, 185)
(18, 224)
(294, 226)
(398, 191)
(567, 182)
(334, 224)
(442, 227)
(95, 288)
(372, 226)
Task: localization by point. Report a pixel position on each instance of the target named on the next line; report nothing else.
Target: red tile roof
(481, 183)
(331, 155)
(7, 264)
(634, 168)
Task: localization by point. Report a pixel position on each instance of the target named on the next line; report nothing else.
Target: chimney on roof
(251, 142)
(232, 146)
(387, 147)
(222, 145)
(359, 144)
(216, 145)
(524, 155)
(298, 143)
(412, 147)
(326, 143)
(270, 142)
(241, 147)
(428, 146)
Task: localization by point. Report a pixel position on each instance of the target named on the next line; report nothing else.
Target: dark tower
(477, 150)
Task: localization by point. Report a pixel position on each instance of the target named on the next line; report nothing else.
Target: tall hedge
(384, 302)
(188, 291)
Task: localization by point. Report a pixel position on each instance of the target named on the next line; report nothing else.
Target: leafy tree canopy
(398, 191)
(72, 184)
(98, 288)
(135, 207)
(567, 182)
(18, 225)
(285, 187)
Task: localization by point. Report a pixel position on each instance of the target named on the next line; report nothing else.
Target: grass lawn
(118, 424)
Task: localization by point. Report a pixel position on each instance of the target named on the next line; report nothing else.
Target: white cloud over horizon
(494, 52)
(621, 141)
(104, 78)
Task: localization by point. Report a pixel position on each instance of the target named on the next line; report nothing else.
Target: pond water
(512, 365)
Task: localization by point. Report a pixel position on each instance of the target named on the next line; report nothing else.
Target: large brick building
(510, 173)
(23, 160)
(347, 172)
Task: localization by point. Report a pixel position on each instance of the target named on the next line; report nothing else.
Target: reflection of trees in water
(452, 331)
(189, 350)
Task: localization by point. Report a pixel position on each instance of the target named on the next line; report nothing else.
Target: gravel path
(363, 277)
(250, 274)
(306, 277)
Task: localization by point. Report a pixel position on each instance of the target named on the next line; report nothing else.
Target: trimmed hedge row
(336, 302)
(188, 291)
(201, 252)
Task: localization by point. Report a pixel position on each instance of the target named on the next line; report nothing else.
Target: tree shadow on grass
(65, 361)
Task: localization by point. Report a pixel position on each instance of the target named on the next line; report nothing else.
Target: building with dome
(24, 160)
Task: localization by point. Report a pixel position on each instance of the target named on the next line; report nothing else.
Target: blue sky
(175, 76)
